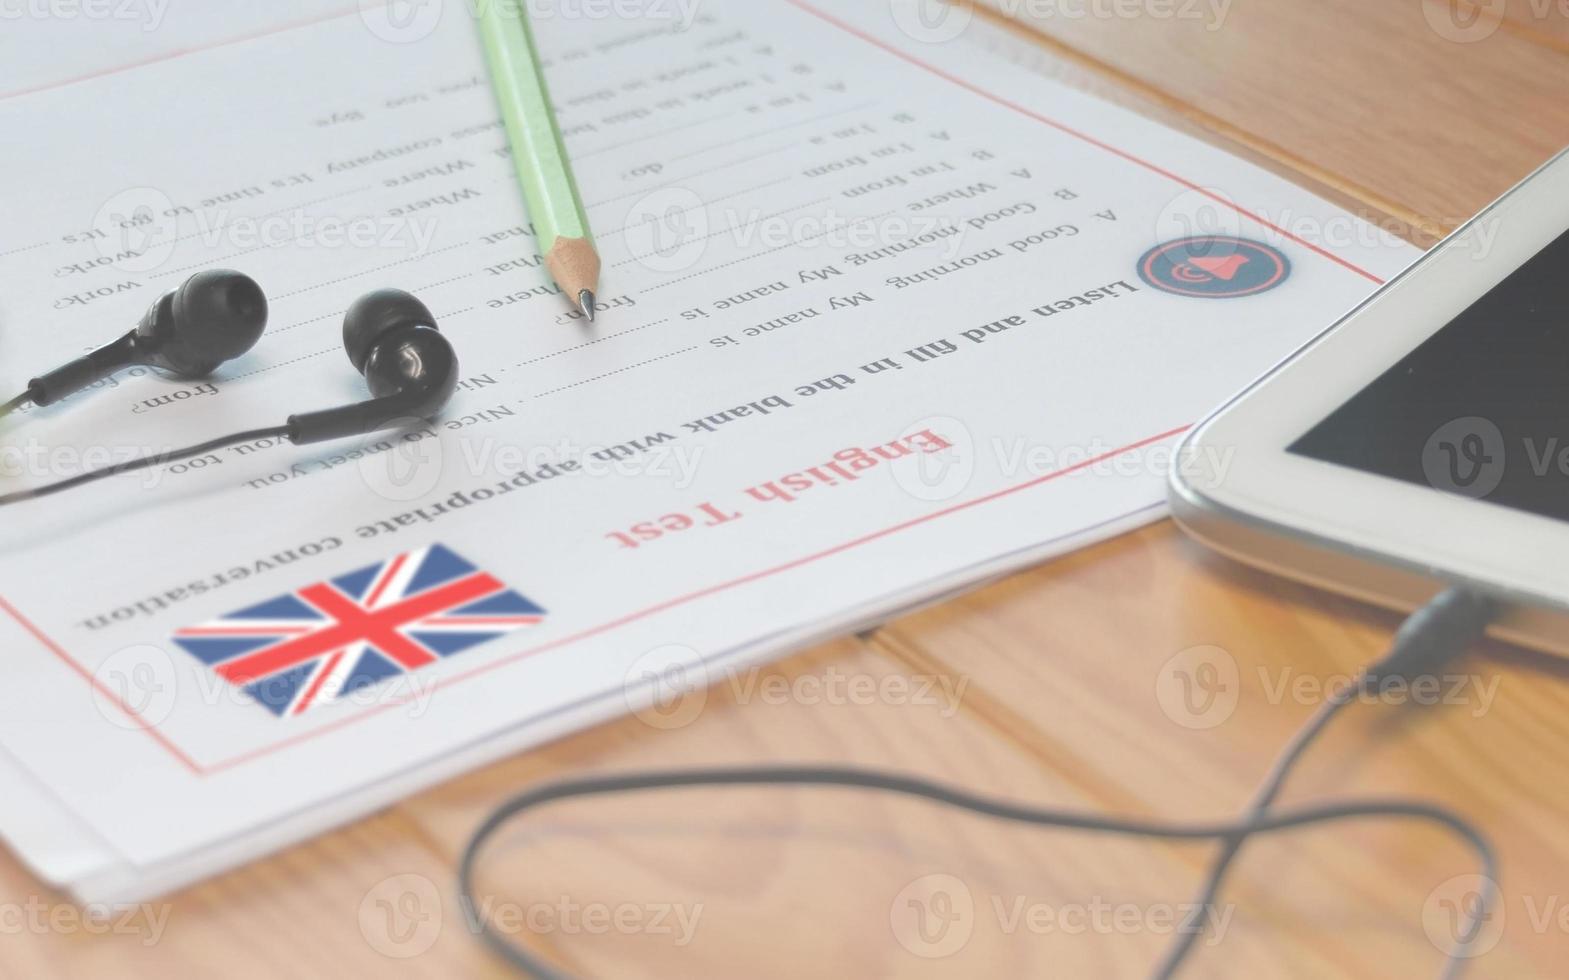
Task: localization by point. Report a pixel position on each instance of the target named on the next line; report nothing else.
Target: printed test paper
(881, 316)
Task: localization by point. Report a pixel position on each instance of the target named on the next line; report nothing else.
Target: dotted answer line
(681, 180)
(366, 272)
(211, 262)
(656, 218)
(314, 319)
(219, 229)
(433, 285)
(664, 132)
(770, 132)
(757, 255)
(598, 340)
(292, 360)
(733, 163)
(25, 248)
(712, 234)
(629, 367)
(269, 214)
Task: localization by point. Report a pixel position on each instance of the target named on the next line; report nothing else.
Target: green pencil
(544, 171)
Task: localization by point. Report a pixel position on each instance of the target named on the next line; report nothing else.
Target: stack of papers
(882, 316)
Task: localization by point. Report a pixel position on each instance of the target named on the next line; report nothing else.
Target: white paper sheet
(827, 230)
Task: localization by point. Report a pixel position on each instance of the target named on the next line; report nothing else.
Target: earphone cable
(145, 462)
(1430, 637)
(8, 407)
(1266, 823)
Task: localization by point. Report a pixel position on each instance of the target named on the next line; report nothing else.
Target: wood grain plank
(792, 882)
(1371, 93)
(339, 906)
(1473, 21)
(1091, 654)
(1060, 667)
(1018, 43)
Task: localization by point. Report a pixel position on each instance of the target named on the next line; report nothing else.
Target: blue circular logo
(1214, 267)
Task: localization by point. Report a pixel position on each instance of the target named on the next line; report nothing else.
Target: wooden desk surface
(1056, 685)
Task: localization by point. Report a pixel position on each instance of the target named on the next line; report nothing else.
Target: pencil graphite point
(574, 265)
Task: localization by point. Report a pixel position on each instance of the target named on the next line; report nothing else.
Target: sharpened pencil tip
(585, 299)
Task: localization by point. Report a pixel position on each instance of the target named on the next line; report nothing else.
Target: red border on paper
(1085, 137)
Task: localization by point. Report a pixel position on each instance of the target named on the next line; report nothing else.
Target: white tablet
(1423, 439)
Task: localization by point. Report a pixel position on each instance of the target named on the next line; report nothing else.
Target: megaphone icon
(1208, 268)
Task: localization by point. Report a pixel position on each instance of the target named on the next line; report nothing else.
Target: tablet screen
(1481, 408)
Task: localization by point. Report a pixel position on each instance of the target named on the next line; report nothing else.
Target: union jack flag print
(331, 639)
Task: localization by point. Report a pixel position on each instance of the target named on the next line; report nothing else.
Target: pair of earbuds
(215, 316)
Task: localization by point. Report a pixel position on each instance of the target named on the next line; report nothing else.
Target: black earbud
(390, 337)
(212, 317)
(411, 369)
